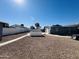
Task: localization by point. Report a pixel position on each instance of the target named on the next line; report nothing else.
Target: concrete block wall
(8, 31)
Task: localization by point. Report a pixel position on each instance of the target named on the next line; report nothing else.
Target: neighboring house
(20, 26)
(64, 30)
(5, 29)
(4, 25)
(16, 25)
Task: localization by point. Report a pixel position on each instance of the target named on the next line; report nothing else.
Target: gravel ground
(41, 48)
(10, 37)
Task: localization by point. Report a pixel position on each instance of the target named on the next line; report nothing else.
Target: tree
(32, 27)
(22, 25)
(37, 25)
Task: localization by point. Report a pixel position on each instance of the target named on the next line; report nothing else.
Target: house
(64, 30)
(4, 25)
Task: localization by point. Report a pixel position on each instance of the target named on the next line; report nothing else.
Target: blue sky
(46, 12)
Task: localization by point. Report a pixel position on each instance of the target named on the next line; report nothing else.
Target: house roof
(3, 22)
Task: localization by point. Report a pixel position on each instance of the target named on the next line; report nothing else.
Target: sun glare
(19, 2)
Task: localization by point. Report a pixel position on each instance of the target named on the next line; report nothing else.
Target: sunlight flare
(19, 2)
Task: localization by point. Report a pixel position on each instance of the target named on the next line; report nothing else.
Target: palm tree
(37, 25)
(22, 25)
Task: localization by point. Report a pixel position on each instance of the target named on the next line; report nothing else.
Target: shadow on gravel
(77, 39)
(38, 36)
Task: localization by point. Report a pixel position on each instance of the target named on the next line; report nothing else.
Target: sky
(46, 12)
